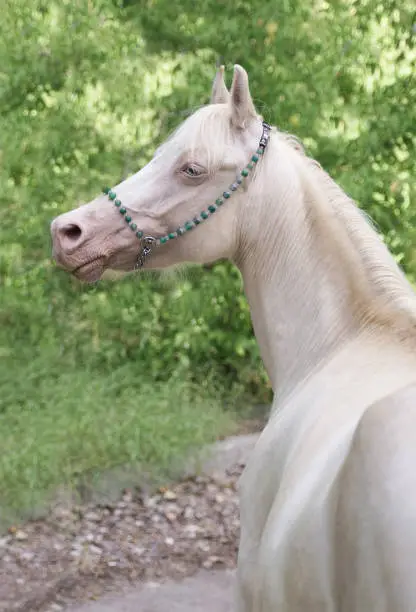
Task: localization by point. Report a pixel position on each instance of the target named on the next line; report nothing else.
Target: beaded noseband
(149, 242)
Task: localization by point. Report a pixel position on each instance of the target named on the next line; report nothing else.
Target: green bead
(250, 166)
(244, 172)
(133, 226)
(204, 214)
(123, 211)
(164, 239)
(112, 195)
(139, 234)
(226, 194)
(106, 190)
(172, 235)
(259, 151)
(189, 225)
(212, 208)
(255, 158)
(219, 202)
(117, 203)
(127, 218)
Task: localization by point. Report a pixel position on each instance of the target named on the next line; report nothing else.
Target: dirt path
(84, 553)
(205, 592)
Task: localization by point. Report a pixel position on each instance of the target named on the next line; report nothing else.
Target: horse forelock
(208, 129)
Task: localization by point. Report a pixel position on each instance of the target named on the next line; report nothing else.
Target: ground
(206, 591)
(80, 554)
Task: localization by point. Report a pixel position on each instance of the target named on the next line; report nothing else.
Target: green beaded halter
(149, 242)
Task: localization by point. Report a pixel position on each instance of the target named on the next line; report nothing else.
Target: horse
(328, 496)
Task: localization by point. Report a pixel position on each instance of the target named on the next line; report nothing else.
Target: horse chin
(90, 272)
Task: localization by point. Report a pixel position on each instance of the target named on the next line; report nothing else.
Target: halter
(149, 242)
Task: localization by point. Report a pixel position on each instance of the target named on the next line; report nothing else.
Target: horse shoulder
(376, 513)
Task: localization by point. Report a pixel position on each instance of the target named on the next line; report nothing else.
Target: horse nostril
(71, 232)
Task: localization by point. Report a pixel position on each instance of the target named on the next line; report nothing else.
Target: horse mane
(388, 295)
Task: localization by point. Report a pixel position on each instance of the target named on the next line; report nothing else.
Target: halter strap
(149, 242)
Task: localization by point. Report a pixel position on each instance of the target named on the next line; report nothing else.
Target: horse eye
(191, 171)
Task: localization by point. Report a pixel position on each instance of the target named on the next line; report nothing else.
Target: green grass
(57, 428)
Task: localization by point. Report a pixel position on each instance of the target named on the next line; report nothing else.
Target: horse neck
(305, 279)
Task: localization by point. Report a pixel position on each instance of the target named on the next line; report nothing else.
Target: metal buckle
(264, 140)
(148, 243)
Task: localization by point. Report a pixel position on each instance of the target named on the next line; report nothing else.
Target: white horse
(328, 499)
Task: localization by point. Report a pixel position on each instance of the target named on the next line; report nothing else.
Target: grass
(55, 428)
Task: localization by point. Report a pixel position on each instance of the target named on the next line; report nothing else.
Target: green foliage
(87, 90)
(65, 426)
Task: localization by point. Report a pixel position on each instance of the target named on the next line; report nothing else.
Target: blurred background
(144, 369)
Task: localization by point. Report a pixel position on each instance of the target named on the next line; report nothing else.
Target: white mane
(348, 231)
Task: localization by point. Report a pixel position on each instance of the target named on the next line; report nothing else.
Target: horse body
(328, 498)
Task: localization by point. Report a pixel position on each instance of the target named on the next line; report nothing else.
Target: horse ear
(242, 106)
(219, 94)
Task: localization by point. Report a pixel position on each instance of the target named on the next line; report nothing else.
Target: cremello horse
(328, 499)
